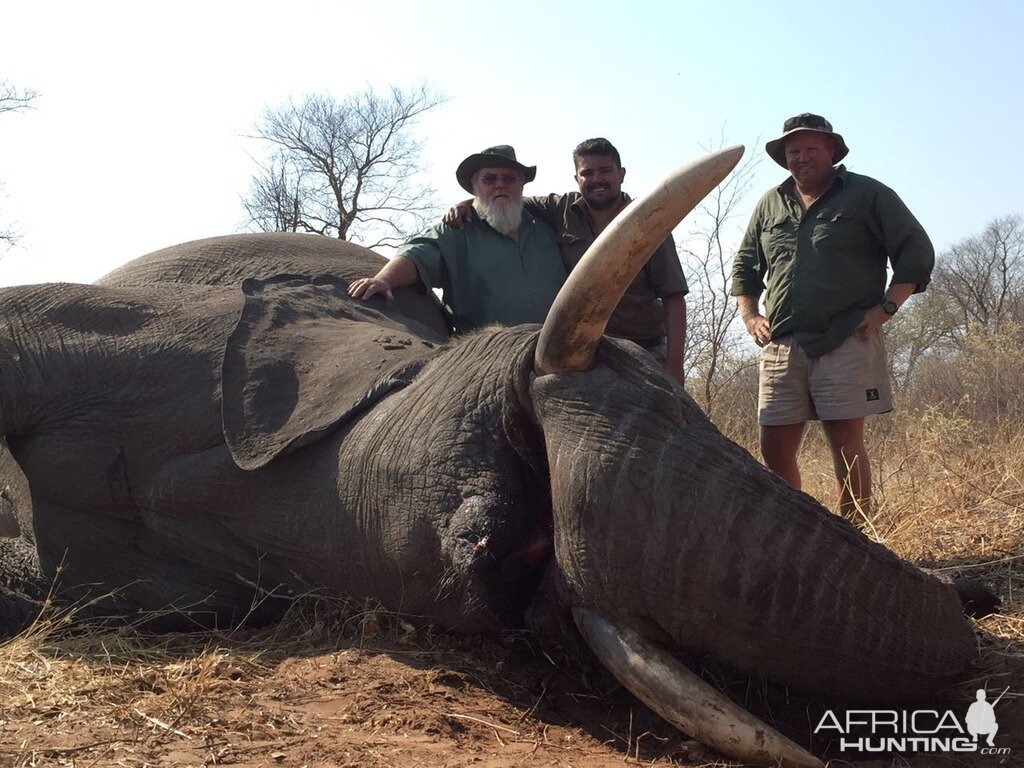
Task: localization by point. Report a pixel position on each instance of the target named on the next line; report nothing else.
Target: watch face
(889, 307)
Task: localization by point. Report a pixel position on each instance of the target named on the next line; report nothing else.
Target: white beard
(503, 215)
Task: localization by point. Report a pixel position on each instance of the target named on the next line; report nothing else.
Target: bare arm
(757, 324)
(675, 333)
(397, 273)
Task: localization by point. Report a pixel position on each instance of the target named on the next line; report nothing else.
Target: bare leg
(779, 447)
(852, 468)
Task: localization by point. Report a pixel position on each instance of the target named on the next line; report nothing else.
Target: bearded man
(503, 267)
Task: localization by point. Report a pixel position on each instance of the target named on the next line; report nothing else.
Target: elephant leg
(136, 566)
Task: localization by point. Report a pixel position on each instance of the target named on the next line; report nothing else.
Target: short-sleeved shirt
(487, 277)
(640, 315)
(823, 268)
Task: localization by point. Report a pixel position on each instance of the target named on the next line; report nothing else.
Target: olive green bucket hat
(805, 121)
(500, 156)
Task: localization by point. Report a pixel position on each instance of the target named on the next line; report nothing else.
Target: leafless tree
(717, 349)
(12, 99)
(344, 168)
(273, 201)
(982, 276)
(977, 292)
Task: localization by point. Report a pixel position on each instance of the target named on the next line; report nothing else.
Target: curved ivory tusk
(665, 685)
(580, 312)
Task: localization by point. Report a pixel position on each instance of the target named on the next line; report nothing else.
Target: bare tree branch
(977, 291)
(715, 348)
(344, 168)
(982, 277)
(12, 100)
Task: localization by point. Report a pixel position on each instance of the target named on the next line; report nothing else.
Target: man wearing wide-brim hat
(503, 267)
(817, 247)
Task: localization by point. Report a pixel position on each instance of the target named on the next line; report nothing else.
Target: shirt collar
(788, 187)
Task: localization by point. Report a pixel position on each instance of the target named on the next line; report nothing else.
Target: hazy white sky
(137, 140)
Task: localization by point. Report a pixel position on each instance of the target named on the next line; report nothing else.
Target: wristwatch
(889, 307)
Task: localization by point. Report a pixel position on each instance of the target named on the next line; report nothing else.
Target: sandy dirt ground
(364, 690)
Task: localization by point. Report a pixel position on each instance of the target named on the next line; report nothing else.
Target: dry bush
(982, 381)
(734, 405)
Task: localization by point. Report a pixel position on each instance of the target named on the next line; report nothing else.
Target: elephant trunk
(661, 522)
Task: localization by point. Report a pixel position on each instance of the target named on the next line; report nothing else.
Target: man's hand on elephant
(458, 215)
(874, 319)
(365, 287)
(757, 327)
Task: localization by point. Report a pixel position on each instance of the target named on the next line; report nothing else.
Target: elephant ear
(304, 357)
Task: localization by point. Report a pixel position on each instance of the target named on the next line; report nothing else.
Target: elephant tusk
(665, 685)
(580, 312)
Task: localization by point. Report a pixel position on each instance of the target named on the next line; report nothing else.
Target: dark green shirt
(487, 277)
(639, 315)
(823, 268)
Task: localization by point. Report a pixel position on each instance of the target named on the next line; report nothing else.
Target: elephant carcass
(232, 444)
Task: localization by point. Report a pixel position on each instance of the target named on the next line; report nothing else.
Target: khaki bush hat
(805, 121)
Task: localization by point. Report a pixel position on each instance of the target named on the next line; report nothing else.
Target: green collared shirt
(639, 315)
(823, 268)
(487, 277)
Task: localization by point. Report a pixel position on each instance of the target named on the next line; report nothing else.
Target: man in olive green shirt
(818, 246)
(503, 267)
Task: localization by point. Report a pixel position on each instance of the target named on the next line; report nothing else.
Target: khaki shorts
(849, 382)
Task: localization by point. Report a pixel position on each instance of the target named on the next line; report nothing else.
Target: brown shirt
(640, 315)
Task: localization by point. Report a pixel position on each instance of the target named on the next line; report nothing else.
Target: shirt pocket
(837, 226)
(778, 235)
(847, 235)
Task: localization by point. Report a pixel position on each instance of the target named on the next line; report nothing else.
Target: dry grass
(151, 688)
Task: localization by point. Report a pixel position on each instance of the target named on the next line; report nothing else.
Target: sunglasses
(490, 179)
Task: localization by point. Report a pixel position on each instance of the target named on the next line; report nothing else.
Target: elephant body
(425, 495)
(219, 448)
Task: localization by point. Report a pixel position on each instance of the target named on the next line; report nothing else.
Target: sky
(139, 138)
